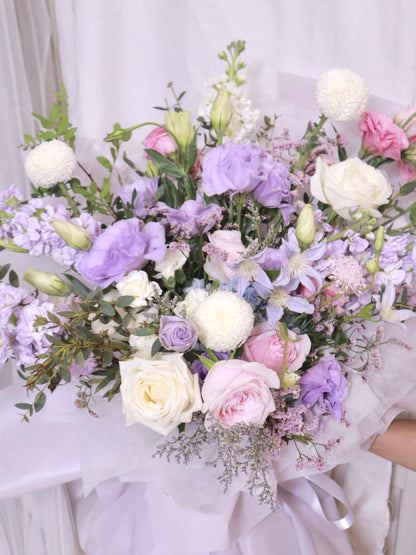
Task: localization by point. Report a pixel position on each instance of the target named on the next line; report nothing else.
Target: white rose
(159, 394)
(173, 260)
(349, 184)
(193, 298)
(137, 285)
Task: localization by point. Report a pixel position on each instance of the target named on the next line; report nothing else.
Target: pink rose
(382, 136)
(267, 346)
(224, 248)
(238, 391)
(160, 140)
(409, 128)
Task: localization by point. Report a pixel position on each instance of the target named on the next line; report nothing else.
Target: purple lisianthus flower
(125, 246)
(177, 334)
(198, 367)
(191, 218)
(145, 198)
(323, 389)
(232, 168)
(273, 189)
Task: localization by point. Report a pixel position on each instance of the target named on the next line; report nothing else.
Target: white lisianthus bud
(46, 282)
(179, 124)
(75, 236)
(379, 241)
(221, 111)
(372, 266)
(305, 227)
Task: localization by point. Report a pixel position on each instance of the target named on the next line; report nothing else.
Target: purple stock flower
(177, 334)
(125, 246)
(145, 198)
(232, 168)
(324, 388)
(88, 367)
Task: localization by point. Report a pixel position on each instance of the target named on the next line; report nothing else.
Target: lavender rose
(324, 388)
(125, 246)
(231, 167)
(177, 334)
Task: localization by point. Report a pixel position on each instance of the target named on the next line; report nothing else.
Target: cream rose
(159, 394)
(349, 184)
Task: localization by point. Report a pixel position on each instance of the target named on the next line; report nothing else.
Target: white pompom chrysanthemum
(341, 94)
(50, 163)
(224, 321)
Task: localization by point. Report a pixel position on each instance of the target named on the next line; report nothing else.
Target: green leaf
(53, 318)
(105, 191)
(412, 214)
(13, 278)
(105, 162)
(165, 165)
(64, 373)
(77, 285)
(29, 139)
(68, 313)
(107, 308)
(107, 359)
(40, 321)
(272, 274)
(156, 347)
(408, 188)
(40, 401)
(54, 113)
(212, 355)
(125, 300)
(23, 406)
(365, 312)
(79, 357)
(93, 187)
(207, 362)
(3, 270)
(143, 332)
(44, 121)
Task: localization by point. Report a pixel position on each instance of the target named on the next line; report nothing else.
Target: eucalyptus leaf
(40, 401)
(125, 300)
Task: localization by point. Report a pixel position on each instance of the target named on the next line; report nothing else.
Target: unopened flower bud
(306, 228)
(379, 241)
(372, 266)
(179, 124)
(221, 111)
(46, 282)
(75, 236)
(151, 169)
(289, 380)
(409, 155)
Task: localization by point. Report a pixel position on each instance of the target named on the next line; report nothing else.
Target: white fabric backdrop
(117, 57)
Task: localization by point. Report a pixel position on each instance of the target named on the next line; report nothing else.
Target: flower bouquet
(225, 292)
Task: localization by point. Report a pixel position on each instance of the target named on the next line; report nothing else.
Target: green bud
(372, 266)
(409, 155)
(221, 111)
(151, 169)
(305, 227)
(75, 236)
(379, 241)
(179, 124)
(46, 282)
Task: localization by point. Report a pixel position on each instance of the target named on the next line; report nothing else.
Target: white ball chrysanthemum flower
(341, 94)
(223, 320)
(50, 163)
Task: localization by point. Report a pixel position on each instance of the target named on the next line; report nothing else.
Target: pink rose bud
(382, 136)
(160, 140)
(267, 345)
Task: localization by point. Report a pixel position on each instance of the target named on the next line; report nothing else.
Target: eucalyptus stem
(70, 200)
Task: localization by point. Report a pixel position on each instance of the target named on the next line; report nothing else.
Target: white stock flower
(224, 321)
(193, 298)
(243, 121)
(173, 260)
(137, 285)
(350, 184)
(341, 94)
(50, 163)
(159, 394)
